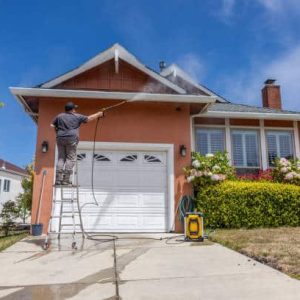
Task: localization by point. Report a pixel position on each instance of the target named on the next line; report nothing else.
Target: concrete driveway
(141, 269)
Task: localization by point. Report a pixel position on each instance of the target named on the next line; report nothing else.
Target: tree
(24, 200)
(8, 215)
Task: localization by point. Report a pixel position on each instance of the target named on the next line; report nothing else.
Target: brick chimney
(271, 96)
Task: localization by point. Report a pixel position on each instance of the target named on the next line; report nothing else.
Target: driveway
(141, 269)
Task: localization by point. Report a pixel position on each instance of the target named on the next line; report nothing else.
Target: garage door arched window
(151, 159)
(129, 158)
(100, 157)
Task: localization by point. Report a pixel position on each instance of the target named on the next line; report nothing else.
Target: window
(210, 140)
(280, 144)
(6, 185)
(129, 158)
(245, 148)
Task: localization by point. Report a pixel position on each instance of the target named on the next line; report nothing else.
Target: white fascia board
(250, 115)
(131, 97)
(104, 57)
(177, 71)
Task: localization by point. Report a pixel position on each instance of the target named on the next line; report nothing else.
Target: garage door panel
(130, 188)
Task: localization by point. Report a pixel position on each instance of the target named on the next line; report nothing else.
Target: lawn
(276, 247)
(6, 241)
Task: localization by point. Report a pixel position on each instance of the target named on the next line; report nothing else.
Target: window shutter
(285, 146)
(251, 150)
(216, 141)
(280, 144)
(209, 141)
(237, 149)
(202, 142)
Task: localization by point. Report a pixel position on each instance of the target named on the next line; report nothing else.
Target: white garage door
(130, 188)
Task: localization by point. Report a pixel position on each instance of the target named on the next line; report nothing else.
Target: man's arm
(95, 116)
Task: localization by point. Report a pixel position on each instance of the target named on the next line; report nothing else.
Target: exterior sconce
(182, 150)
(45, 146)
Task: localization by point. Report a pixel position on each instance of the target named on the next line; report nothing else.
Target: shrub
(287, 171)
(238, 204)
(262, 175)
(8, 215)
(209, 169)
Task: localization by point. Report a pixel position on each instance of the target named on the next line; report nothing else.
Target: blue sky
(231, 46)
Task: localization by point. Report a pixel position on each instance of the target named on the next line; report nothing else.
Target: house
(142, 146)
(10, 181)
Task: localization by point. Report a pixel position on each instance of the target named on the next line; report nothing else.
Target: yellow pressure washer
(193, 227)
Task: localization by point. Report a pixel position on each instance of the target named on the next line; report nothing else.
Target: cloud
(192, 65)
(244, 87)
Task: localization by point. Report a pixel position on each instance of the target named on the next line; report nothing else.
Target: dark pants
(66, 154)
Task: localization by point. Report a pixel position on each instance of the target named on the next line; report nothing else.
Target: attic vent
(162, 65)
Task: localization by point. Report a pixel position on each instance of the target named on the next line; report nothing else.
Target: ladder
(68, 213)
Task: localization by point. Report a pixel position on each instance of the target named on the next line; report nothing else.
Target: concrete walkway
(143, 269)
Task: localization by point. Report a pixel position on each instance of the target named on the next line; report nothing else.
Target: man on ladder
(67, 137)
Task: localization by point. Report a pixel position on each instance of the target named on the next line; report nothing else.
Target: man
(67, 137)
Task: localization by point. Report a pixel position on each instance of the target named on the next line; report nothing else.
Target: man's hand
(97, 115)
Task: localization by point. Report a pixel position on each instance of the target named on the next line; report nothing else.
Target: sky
(230, 46)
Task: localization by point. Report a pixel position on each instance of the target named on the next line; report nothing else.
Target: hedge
(238, 204)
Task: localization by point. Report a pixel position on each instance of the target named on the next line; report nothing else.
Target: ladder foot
(46, 246)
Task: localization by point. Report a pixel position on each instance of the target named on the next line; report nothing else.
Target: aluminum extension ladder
(73, 200)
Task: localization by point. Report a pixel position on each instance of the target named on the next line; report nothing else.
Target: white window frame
(278, 130)
(243, 130)
(6, 185)
(210, 129)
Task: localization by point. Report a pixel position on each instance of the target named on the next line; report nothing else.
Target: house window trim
(259, 150)
(5, 185)
(208, 128)
(290, 130)
(260, 128)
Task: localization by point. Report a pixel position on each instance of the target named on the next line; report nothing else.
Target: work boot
(59, 177)
(67, 178)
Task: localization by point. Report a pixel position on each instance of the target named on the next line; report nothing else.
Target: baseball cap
(70, 105)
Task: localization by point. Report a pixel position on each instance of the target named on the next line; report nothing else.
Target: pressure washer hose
(184, 205)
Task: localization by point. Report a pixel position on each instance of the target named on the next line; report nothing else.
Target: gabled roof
(174, 72)
(11, 168)
(114, 52)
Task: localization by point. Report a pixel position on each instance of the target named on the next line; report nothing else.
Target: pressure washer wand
(115, 105)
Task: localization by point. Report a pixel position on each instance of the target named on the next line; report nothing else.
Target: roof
(114, 52)
(185, 88)
(248, 111)
(231, 107)
(175, 74)
(9, 167)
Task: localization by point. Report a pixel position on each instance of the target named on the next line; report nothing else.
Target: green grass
(7, 241)
(276, 247)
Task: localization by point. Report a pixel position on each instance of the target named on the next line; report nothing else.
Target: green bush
(238, 204)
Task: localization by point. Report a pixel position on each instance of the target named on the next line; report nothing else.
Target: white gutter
(62, 93)
(251, 115)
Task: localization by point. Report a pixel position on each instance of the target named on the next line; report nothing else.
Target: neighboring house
(10, 181)
(140, 149)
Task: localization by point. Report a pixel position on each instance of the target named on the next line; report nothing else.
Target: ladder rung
(70, 225)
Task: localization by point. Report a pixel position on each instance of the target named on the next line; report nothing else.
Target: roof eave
(251, 115)
(83, 94)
